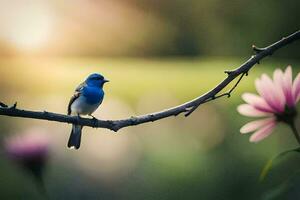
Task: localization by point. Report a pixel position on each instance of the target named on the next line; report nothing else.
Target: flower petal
(288, 87)
(271, 92)
(296, 88)
(278, 77)
(275, 92)
(257, 102)
(250, 111)
(263, 132)
(254, 125)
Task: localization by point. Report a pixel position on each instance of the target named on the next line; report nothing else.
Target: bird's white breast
(80, 106)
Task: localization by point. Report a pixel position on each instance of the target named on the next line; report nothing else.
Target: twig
(228, 94)
(3, 105)
(186, 108)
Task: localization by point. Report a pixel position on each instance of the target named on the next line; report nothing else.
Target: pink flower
(29, 150)
(275, 103)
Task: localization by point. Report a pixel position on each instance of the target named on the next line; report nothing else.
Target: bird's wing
(75, 96)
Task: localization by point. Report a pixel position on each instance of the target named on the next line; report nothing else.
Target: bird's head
(96, 80)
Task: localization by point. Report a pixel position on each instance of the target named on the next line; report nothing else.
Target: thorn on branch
(151, 118)
(3, 105)
(114, 129)
(133, 119)
(256, 49)
(191, 110)
(228, 72)
(46, 113)
(13, 106)
(113, 126)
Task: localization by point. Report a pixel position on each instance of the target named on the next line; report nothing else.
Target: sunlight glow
(27, 26)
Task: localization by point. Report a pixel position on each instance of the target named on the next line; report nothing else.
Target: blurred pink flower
(276, 103)
(29, 150)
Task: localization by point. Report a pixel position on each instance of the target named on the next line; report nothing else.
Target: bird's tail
(75, 137)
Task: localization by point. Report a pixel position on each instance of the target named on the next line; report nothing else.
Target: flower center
(287, 116)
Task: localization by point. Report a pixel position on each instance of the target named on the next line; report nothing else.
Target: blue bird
(87, 98)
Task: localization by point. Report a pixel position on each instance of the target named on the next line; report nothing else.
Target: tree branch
(186, 108)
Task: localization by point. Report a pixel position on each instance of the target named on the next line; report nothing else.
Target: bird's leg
(78, 118)
(94, 119)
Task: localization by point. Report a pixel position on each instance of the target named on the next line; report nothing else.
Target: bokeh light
(26, 26)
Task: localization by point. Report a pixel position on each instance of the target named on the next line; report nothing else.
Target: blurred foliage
(226, 28)
(145, 27)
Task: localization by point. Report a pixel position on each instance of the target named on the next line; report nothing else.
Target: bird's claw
(95, 120)
(78, 119)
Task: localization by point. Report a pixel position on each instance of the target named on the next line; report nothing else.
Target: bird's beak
(105, 80)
